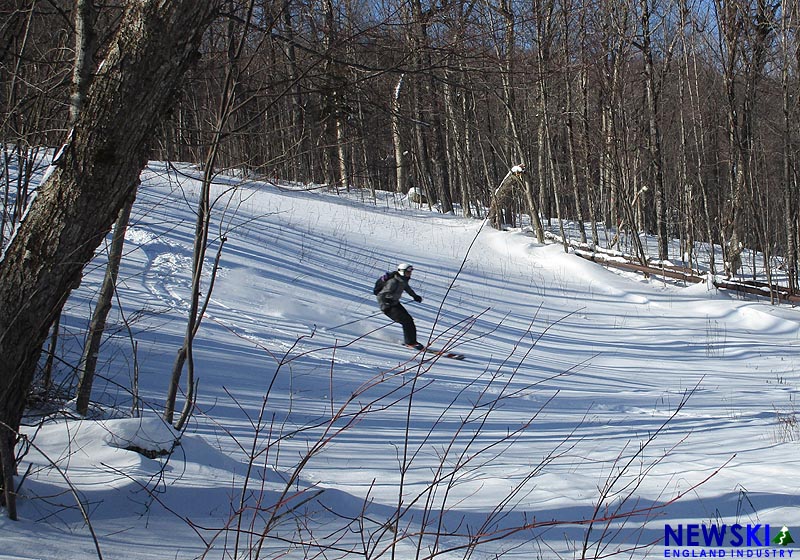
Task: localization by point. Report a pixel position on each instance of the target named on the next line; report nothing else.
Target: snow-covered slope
(581, 386)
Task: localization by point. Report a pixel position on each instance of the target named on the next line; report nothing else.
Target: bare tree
(656, 165)
(228, 103)
(506, 53)
(790, 51)
(91, 350)
(569, 117)
(401, 173)
(89, 181)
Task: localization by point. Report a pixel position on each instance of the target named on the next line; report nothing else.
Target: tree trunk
(458, 142)
(226, 113)
(573, 164)
(422, 157)
(301, 146)
(654, 135)
(81, 78)
(401, 173)
(441, 175)
(341, 154)
(467, 109)
(185, 354)
(84, 56)
(542, 172)
(548, 168)
(790, 51)
(732, 27)
(698, 135)
(88, 363)
(506, 60)
(89, 182)
(583, 122)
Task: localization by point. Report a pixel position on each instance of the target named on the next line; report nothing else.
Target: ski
(437, 352)
(445, 354)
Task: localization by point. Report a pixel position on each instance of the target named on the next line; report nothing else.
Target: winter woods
(690, 103)
(675, 117)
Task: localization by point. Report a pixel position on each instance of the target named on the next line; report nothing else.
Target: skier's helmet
(404, 268)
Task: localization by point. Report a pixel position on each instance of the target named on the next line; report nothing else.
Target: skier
(389, 301)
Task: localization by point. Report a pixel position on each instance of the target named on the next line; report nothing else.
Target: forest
(677, 118)
(674, 118)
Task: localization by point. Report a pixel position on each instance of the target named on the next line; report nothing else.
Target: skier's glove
(418, 299)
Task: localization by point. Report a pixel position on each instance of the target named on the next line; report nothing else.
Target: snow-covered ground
(586, 394)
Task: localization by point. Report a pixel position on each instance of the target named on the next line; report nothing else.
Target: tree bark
(84, 56)
(87, 186)
(401, 174)
(790, 51)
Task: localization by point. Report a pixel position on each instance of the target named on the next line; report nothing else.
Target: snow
(576, 377)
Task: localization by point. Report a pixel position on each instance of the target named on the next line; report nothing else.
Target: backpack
(381, 281)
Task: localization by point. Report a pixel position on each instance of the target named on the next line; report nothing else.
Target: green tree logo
(783, 538)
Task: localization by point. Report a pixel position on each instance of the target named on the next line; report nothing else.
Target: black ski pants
(398, 314)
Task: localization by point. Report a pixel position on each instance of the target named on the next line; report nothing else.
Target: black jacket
(392, 291)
